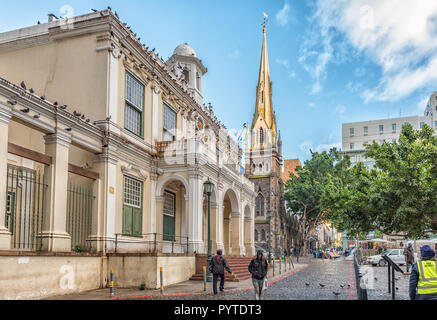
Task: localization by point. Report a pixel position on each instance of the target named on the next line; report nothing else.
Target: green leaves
(398, 196)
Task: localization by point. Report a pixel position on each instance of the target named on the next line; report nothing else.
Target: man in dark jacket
(422, 276)
(296, 252)
(217, 267)
(409, 256)
(258, 268)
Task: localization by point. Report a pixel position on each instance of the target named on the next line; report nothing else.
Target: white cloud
(308, 145)
(399, 36)
(421, 105)
(284, 62)
(235, 55)
(292, 75)
(340, 109)
(311, 105)
(282, 17)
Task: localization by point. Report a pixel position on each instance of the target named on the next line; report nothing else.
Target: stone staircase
(238, 266)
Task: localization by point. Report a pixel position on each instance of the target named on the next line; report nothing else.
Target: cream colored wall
(134, 270)
(26, 137)
(69, 71)
(40, 276)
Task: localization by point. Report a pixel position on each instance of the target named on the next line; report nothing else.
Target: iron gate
(25, 207)
(79, 212)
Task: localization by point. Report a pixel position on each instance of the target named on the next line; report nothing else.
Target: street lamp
(209, 188)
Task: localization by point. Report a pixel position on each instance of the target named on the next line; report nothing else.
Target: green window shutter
(137, 222)
(127, 220)
(169, 228)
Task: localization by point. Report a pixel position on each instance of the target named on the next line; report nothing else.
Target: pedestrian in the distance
(409, 256)
(258, 269)
(296, 252)
(423, 276)
(217, 267)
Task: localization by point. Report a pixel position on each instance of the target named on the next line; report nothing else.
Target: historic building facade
(264, 164)
(105, 149)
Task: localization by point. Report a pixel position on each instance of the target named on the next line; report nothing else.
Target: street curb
(207, 293)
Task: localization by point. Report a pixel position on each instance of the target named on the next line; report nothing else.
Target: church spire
(264, 89)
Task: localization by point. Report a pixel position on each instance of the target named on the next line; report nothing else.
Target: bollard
(162, 280)
(273, 266)
(111, 283)
(204, 278)
(280, 264)
(286, 260)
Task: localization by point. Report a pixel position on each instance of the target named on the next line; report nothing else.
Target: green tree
(304, 192)
(398, 196)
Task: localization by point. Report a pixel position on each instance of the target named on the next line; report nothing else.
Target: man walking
(217, 267)
(296, 252)
(409, 256)
(258, 268)
(424, 276)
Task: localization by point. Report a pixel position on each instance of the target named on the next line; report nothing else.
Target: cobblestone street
(378, 290)
(318, 281)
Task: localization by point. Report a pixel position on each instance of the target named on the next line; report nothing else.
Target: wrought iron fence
(153, 243)
(25, 207)
(79, 215)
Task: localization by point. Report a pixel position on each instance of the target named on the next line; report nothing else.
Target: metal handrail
(155, 240)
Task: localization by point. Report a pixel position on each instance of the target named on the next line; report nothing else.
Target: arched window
(261, 136)
(186, 76)
(259, 205)
(197, 81)
(263, 235)
(256, 235)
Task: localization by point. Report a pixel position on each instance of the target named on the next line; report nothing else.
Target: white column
(195, 212)
(184, 201)
(54, 235)
(107, 162)
(113, 93)
(155, 112)
(220, 243)
(5, 116)
(153, 181)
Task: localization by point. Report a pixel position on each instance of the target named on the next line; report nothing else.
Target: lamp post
(209, 187)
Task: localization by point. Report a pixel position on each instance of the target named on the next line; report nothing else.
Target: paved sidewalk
(182, 289)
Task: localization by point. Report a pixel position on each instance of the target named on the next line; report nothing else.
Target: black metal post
(389, 275)
(393, 284)
(208, 260)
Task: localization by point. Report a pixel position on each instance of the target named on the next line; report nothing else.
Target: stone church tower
(264, 164)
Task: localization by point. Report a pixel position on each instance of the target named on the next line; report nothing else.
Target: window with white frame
(169, 213)
(393, 126)
(133, 118)
(381, 128)
(169, 124)
(351, 132)
(132, 192)
(352, 146)
(132, 207)
(366, 130)
(422, 124)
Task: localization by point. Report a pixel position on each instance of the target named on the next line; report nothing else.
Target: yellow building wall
(69, 71)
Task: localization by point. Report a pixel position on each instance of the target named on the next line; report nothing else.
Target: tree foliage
(304, 192)
(397, 196)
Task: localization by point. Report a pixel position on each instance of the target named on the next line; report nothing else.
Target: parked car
(397, 255)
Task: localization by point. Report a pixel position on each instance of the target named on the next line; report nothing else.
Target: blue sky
(331, 61)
